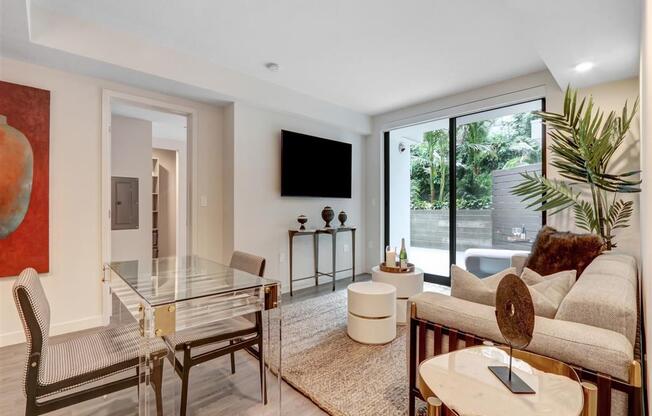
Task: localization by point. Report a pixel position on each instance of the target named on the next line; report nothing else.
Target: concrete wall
(131, 157)
(430, 228)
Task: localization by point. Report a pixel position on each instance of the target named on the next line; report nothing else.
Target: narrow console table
(333, 232)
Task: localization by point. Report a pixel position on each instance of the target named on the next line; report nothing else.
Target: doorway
(147, 181)
(447, 188)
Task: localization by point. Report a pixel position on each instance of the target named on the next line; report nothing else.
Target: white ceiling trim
(102, 44)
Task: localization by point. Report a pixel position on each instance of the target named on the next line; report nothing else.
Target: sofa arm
(582, 345)
(518, 261)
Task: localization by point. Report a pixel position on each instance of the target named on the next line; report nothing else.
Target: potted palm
(584, 141)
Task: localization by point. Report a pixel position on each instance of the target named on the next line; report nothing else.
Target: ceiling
(373, 56)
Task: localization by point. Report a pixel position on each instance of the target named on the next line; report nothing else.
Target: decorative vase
(16, 159)
(327, 214)
(342, 217)
(302, 219)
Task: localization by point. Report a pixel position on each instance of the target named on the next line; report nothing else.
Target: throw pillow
(548, 291)
(554, 251)
(465, 285)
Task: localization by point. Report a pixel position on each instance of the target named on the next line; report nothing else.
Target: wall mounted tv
(312, 166)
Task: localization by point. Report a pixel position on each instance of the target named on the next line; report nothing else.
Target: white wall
(131, 157)
(399, 185)
(262, 217)
(608, 96)
(646, 175)
(73, 285)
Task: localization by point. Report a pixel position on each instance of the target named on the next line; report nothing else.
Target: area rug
(338, 374)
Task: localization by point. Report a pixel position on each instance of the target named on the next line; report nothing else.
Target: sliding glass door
(447, 189)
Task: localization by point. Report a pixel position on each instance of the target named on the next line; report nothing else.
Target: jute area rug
(338, 374)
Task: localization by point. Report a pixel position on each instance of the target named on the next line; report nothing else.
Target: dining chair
(222, 337)
(80, 368)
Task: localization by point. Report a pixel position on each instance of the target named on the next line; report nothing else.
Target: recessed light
(584, 66)
(272, 66)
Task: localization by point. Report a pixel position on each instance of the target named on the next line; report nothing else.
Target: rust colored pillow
(555, 251)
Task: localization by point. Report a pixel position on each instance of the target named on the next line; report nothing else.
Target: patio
(433, 260)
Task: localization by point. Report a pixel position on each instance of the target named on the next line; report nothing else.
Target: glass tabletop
(175, 279)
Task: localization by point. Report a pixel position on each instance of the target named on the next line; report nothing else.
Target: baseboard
(18, 337)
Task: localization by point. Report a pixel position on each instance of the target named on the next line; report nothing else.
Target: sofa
(595, 331)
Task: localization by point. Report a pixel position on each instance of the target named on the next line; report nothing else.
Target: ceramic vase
(327, 214)
(302, 219)
(342, 217)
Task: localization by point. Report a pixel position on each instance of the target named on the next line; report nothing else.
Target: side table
(461, 382)
(371, 315)
(406, 284)
(315, 233)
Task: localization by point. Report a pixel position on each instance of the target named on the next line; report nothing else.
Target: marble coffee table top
(462, 381)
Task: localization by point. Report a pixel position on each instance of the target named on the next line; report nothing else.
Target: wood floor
(213, 389)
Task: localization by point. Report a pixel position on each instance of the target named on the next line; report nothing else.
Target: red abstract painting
(24, 178)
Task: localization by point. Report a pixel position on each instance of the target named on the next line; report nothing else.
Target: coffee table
(461, 381)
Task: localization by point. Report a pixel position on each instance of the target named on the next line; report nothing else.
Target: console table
(315, 233)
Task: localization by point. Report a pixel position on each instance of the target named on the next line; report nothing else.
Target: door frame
(452, 185)
(108, 98)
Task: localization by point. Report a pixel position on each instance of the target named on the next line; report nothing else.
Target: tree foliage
(482, 147)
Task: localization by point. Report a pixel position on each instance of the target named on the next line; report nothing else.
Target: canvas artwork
(24, 178)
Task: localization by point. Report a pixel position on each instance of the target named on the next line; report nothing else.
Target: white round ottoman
(406, 284)
(372, 312)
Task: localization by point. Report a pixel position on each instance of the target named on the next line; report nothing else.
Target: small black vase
(342, 217)
(327, 215)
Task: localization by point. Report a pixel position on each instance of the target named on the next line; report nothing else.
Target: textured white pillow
(547, 291)
(466, 285)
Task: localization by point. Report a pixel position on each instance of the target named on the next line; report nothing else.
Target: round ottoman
(406, 284)
(372, 312)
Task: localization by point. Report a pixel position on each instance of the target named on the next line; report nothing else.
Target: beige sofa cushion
(547, 291)
(586, 346)
(605, 296)
(466, 285)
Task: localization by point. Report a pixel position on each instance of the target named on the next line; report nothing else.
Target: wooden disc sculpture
(515, 316)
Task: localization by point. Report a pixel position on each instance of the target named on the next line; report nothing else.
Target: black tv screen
(312, 166)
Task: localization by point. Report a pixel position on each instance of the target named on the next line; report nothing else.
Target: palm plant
(584, 141)
(437, 153)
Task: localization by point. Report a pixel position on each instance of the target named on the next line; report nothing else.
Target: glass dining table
(173, 294)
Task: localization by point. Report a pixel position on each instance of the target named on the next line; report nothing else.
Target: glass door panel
(492, 149)
(418, 158)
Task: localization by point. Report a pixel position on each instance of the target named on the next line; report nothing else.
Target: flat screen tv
(312, 166)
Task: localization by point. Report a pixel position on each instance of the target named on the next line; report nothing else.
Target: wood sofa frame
(417, 354)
